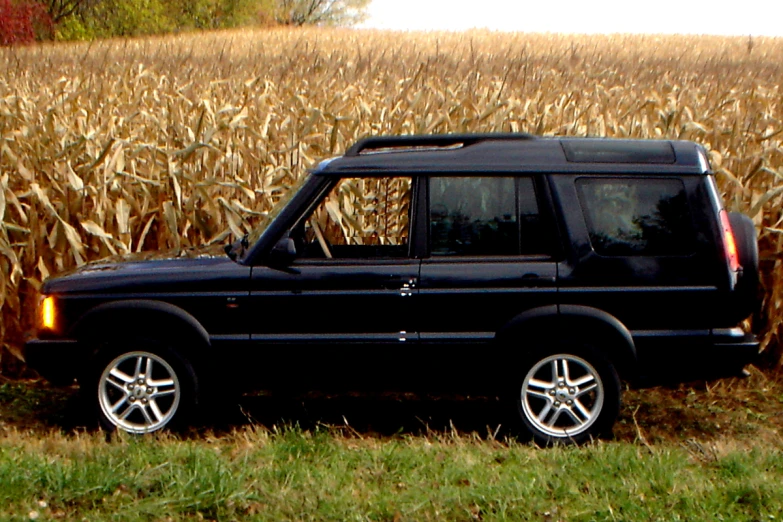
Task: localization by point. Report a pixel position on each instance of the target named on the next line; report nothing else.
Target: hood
(171, 271)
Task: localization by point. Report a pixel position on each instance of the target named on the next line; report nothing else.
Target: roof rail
(381, 144)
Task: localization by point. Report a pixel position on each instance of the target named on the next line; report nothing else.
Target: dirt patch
(738, 408)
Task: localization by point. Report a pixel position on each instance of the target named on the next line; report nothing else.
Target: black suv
(542, 270)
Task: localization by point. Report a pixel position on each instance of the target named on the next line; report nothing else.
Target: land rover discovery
(542, 270)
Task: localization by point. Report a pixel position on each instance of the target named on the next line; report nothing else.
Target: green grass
(293, 474)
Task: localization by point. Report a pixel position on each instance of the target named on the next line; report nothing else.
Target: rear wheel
(141, 388)
(568, 397)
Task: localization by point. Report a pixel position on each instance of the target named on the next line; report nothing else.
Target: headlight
(48, 313)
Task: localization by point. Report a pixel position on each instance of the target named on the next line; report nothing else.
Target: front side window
(360, 218)
(484, 216)
(637, 217)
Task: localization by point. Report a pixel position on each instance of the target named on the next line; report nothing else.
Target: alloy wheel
(139, 392)
(562, 395)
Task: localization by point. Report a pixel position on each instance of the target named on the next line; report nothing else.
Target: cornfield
(170, 143)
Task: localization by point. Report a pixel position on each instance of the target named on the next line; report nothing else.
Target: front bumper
(58, 361)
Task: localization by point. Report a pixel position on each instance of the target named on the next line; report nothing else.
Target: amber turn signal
(47, 313)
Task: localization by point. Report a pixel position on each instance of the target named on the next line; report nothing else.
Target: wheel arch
(575, 323)
(165, 319)
(152, 319)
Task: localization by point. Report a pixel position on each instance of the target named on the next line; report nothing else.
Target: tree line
(23, 21)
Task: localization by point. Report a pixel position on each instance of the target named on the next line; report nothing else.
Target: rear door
(491, 256)
(641, 252)
(644, 252)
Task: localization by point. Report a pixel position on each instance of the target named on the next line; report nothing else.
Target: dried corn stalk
(121, 146)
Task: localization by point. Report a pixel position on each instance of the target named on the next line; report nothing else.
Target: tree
(23, 22)
(320, 12)
(60, 9)
(217, 14)
(107, 18)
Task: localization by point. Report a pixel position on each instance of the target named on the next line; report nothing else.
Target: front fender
(156, 319)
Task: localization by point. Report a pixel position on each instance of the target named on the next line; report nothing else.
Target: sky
(745, 17)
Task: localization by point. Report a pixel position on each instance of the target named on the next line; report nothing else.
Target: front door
(340, 314)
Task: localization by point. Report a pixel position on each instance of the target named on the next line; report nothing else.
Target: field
(120, 146)
(170, 143)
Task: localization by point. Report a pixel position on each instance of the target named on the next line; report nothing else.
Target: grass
(294, 474)
(694, 452)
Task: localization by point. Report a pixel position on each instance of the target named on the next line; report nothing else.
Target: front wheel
(568, 398)
(142, 390)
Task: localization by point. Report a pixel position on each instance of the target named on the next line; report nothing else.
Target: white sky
(745, 17)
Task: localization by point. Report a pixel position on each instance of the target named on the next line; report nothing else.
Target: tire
(568, 397)
(141, 387)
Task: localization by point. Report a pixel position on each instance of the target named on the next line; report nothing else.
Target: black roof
(504, 153)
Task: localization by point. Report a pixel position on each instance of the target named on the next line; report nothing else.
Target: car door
(339, 313)
(490, 259)
(645, 254)
(642, 255)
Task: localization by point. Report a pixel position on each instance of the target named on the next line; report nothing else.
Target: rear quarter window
(637, 217)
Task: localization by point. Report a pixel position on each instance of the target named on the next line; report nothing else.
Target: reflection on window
(633, 217)
(360, 218)
(480, 216)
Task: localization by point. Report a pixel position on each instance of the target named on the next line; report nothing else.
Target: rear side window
(637, 217)
(484, 216)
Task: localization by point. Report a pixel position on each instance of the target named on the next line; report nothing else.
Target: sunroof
(618, 151)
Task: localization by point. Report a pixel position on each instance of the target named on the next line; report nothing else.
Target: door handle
(397, 282)
(532, 278)
(407, 288)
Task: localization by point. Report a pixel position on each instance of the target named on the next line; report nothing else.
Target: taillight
(729, 242)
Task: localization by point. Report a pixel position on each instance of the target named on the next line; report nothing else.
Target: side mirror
(283, 253)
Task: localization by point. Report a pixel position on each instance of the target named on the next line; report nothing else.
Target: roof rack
(381, 144)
